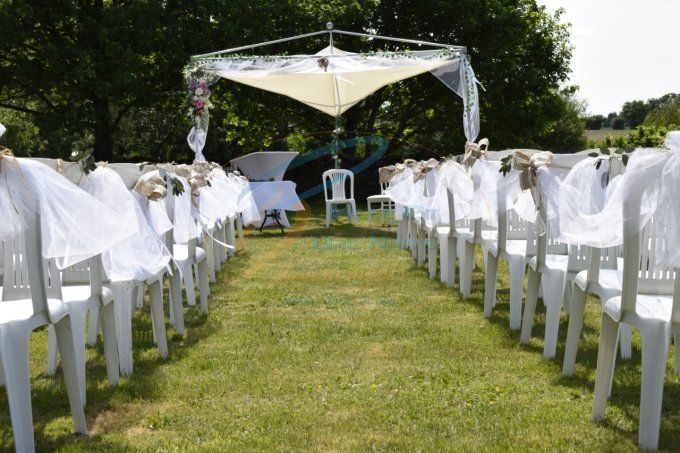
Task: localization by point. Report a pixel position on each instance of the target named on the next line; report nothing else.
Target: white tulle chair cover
(454, 177)
(75, 226)
(668, 218)
(184, 224)
(246, 204)
(155, 211)
(583, 222)
(141, 255)
(549, 180)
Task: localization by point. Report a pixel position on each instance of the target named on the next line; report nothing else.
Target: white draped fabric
(75, 226)
(333, 80)
(583, 222)
(141, 255)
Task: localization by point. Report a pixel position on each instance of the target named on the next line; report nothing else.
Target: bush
(594, 122)
(642, 137)
(618, 123)
(665, 114)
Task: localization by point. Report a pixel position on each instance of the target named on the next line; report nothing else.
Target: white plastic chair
(603, 279)
(23, 311)
(337, 179)
(385, 202)
(449, 239)
(515, 244)
(82, 294)
(646, 303)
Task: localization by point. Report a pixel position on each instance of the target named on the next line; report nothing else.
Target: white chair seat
(341, 200)
(552, 263)
(515, 247)
(82, 293)
(647, 308)
(608, 284)
(22, 309)
(181, 253)
(379, 199)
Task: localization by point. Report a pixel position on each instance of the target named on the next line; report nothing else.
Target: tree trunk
(103, 131)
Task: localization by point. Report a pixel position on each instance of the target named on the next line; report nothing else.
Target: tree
(608, 121)
(108, 74)
(618, 123)
(594, 122)
(634, 113)
(666, 113)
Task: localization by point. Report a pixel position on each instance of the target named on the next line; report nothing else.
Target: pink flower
(204, 86)
(199, 105)
(193, 85)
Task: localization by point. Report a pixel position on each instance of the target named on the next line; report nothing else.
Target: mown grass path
(331, 339)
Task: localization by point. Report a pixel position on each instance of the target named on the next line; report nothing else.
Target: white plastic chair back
(27, 274)
(16, 285)
(640, 275)
(337, 180)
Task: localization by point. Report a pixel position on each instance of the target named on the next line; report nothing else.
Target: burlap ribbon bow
(529, 165)
(474, 151)
(385, 174)
(424, 168)
(153, 188)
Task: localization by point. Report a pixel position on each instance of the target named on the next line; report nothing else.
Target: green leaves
(618, 153)
(506, 165)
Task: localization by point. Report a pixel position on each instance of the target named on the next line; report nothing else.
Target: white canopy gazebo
(332, 80)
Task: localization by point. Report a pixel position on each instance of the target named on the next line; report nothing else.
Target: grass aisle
(331, 339)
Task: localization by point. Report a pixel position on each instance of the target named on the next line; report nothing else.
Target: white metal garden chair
(338, 196)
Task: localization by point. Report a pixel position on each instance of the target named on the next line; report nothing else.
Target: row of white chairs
(634, 290)
(36, 293)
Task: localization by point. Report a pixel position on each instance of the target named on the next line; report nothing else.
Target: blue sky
(623, 49)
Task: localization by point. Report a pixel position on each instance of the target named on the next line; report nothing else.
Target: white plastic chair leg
(354, 211)
(451, 258)
(158, 318)
(467, 269)
(490, 284)
(606, 358)
(223, 238)
(231, 238)
(78, 326)
(140, 297)
(516, 268)
(217, 262)
(533, 284)
(176, 302)
(655, 342)
(209, 258)
(578, 306)
(382, 214)
(188, 277)
(108, 322)
(432, 253)
(421, 247)
(93, 326)
(552, 327)
(14, 355)
(443, 259)
(67, 349)
(328, 215)
(239, 227)
(123, 295)
(370, 223)
(51, 351)
(626, 341)
(203, 286)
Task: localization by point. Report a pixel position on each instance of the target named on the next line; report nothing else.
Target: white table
(276, 195)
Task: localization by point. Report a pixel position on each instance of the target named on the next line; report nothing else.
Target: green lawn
(331, 339)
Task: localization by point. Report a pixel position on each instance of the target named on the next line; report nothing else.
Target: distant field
(602, 133)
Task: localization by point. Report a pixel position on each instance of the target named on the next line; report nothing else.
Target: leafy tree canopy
(107, 75)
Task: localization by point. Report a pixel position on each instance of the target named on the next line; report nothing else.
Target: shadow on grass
(48, 394)
(626, 387)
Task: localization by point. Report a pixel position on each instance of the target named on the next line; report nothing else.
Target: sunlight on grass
(331, 339)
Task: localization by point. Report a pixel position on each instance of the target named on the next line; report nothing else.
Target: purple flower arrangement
(199, 98)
